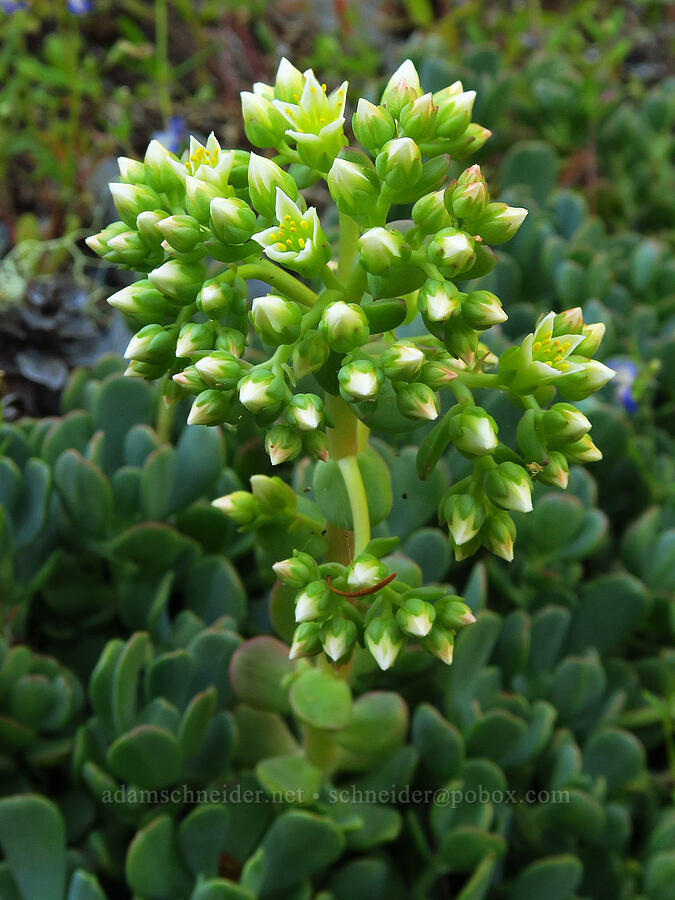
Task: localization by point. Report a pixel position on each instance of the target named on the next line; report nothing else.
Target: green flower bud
(354, 188)
(564, 423)
(232, 220)
(454, 111)
(148, 227)
(132, 171)
(132, 199)
(470, 141)
(418, 118)
(232, 341)
(338, 637)
(261, 391)
(309, 354)
(126, 249)
(145, 370)
(556, 470)
(437, 374)
(587, 377)
(482, 310)
(297, 571)
(365, 572)
(402, 361)
(276, 320)
(163, 170)
(140, 300)
(429, 213)
(312, 602)
(498, 534)
(289, 83)
(460, 339)
(183, 233)
(474, 432)
(315, 444)
(360, 380)
(509, 485)
(152, 344)
(399, 163)
(220, 369)
(344, 326)
(416, 400)
(499, 222)
(452, 612)
(402, 88)
(373, 126)
(99, 242)
(569, 321)
(263, 124)
(416, 616)
(441, 643)
(468, 198)
(274, 495)
(195, 339)
(438, 301)
(198, 196)
(240, 506)
(384, 640)
(282, 444)
(582, 451)
(452, 251)
(306, 640)
(190, 380)
(305, 412)
(264, 177)
(593, 335)
(382, 248)
(210, 408)
(218, 297)
(178, 280)
(464, 515)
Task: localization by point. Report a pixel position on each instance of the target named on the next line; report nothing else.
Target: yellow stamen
(287, 217)
(323, 87)
(289, 242)
(548, 362)
(536, 345)
(301, 242)
(304, 223)
(565, 367)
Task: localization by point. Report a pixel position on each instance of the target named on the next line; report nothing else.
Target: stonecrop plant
(316, 361)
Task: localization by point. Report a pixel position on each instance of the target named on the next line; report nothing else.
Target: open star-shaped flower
(541, 358)
(297, 240)
(316, 121)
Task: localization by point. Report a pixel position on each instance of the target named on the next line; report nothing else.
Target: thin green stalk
(358, 500)
(279, 278)
(349, 235)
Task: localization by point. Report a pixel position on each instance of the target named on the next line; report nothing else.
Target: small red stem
(363, 593)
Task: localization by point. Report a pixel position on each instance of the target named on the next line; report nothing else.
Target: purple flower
(626, 373)
(12, 6)
(174, 134)
(80, 7)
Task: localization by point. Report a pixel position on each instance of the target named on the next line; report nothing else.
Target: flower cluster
(338, 607)
(202, 227)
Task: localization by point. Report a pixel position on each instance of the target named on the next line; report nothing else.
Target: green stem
(278, 278)
(331, 280)
(349, 235)
(358, 500)
(479, 380)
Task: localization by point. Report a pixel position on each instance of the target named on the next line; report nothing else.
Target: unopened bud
(454, 112)
(509, 486)
(452, 612)
(582, 451)
(306, 640)
(181, 281)
(380, 249)
(441, 643)
(232, 220)
(418, 118)
(220, 369)
(482, 310)
(141, 301)
(373, 126)
(468, 198)
(437, 374)
(344, 326)
(132, 199)
(360, 380)
(586, 380)
(262, 391)
(399, 163)
(352, 187)
(310, 354)
(593, 335)
(183, 233)
(498, 534)
(464, 515)
(556, 470)
(384, 640)
(499, 222)
(416, 400)
(365, 572)
(338, 637)
(438, 301)
(402, 361)
(315, 444)
(429, 213)
(190, 380)
(264, 177)
(416, 616)
(276, 319)
(474, 432)
(282, 444)
(195, 339)
(564, 423)
(152, 344)
(452, 251)
(312, 602)
(211, 407)
(297, 571)
(263, 124)
(305, 412)
(240, 506)
(402, 88)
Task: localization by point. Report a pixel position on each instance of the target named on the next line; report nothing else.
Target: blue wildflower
(12, 6)
(626, 373)
(80, 7)
(174, 135)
